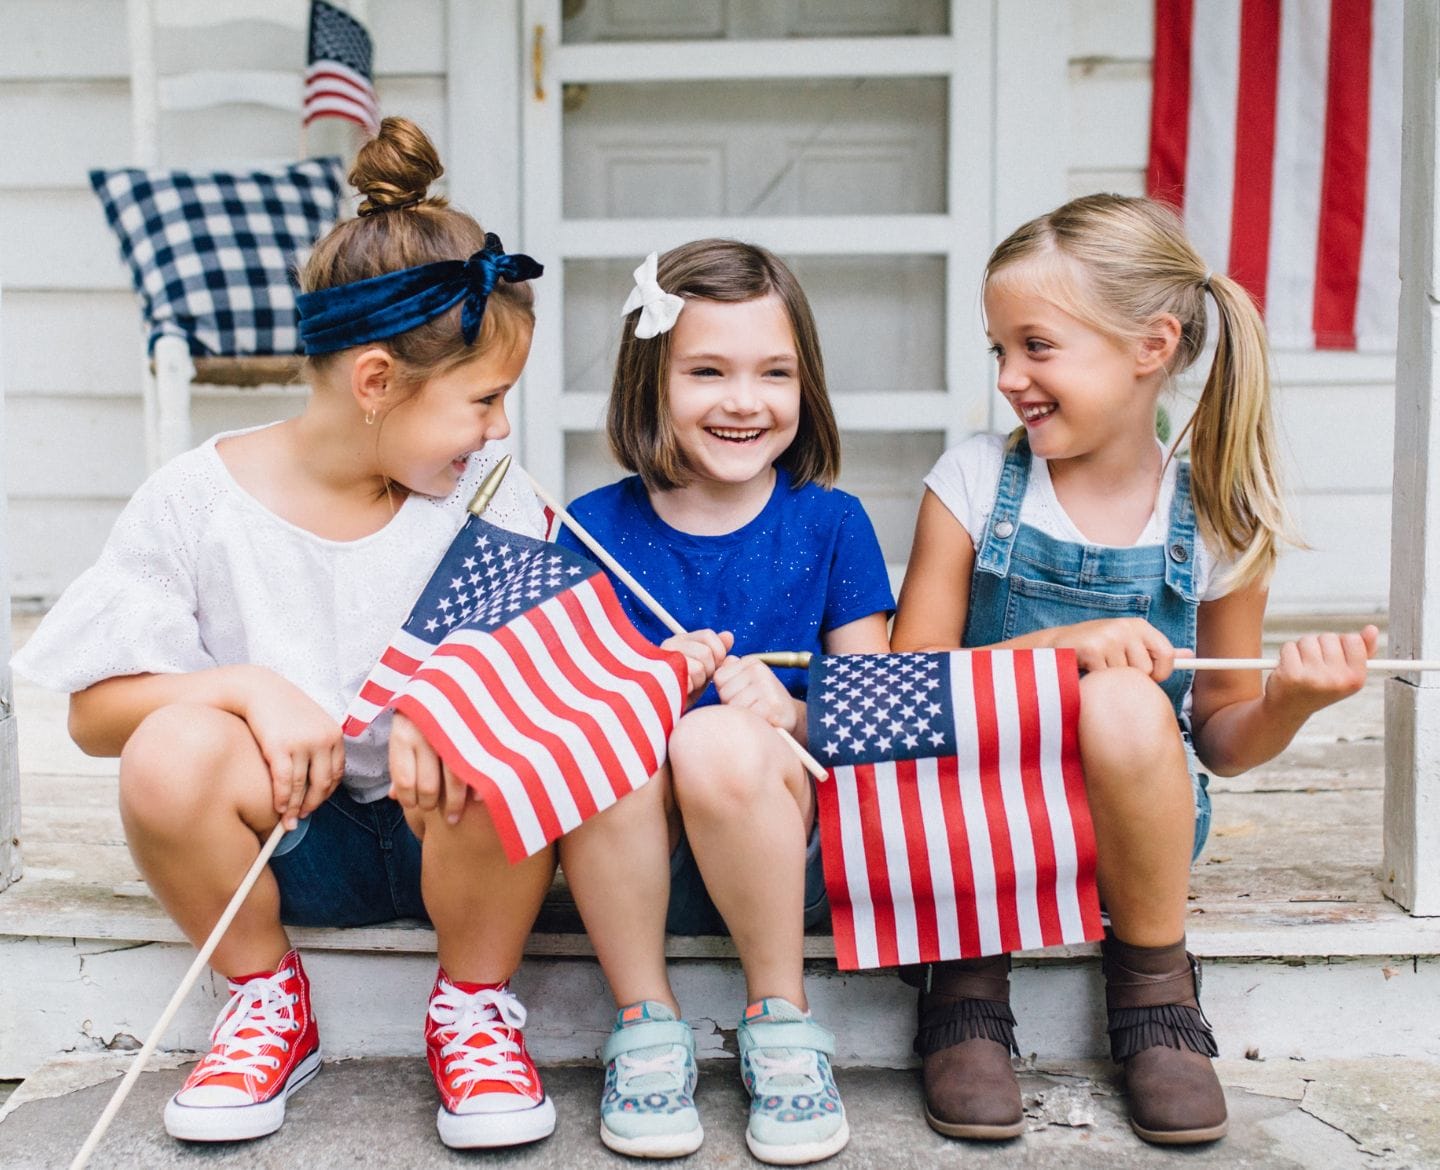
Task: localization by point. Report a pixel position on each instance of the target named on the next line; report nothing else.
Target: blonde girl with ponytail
(1082, 530)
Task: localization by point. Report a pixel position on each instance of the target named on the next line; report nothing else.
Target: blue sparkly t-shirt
(807, 564)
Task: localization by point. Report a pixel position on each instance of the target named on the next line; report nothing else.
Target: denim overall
(1025, 581)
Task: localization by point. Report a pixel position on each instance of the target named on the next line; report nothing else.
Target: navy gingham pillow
(211, 253)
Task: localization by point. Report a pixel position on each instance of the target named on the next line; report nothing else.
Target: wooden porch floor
(1291, 867)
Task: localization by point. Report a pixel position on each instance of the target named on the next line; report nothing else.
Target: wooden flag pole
(801, 658)
(202, 957)
(812, 765)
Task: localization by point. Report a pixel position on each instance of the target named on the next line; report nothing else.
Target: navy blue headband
(396, 302)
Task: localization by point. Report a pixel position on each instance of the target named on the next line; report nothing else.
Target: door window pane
(653, 20)
(849, 146)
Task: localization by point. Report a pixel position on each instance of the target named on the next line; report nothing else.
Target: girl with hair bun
(241, 600)
(1080, 530)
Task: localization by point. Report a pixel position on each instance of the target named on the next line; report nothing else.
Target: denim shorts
(692, 912)
(1200, 785)
(349, 864)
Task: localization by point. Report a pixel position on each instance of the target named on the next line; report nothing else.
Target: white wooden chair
(170, 371)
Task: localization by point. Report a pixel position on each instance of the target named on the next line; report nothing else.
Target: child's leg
(1143, 805)
(195, 798)
(1141, 801)
(481, 906)
(747, 808)
(617, 865)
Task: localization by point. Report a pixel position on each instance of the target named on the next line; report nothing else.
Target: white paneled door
(852, 138)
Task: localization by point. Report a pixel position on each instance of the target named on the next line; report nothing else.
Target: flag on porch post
(955, 824)
(339, 82)
(1275, 128)
(519, 666)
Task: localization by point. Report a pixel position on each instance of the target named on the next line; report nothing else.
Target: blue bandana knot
(396, 302)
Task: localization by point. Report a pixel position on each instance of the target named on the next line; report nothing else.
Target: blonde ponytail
(1234, 458)
(1118, 264)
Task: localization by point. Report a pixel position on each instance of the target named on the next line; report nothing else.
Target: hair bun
(395, 168)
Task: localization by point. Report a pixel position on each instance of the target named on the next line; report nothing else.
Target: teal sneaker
(795, 1110)
(648, 1110)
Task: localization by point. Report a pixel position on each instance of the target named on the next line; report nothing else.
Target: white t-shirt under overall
(197, 573)
(966, 477)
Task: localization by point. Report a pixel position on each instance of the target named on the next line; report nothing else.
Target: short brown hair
(638, 420)
(400, 225)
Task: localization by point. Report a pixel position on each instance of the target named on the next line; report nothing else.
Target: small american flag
(338, 79)
(956, 824)
(521, 669)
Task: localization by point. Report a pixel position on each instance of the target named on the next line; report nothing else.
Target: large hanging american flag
(519, 666)
(1275, 127)
(338, 77)
(956, 823)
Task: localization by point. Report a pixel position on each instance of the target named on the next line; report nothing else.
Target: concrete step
(379, 1112)
(63, 995)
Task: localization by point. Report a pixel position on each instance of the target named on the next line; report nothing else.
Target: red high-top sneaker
(490, 1091)
(264, 1047)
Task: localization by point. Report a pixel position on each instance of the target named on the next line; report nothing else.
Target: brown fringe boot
(1160, 1035)
(965, 1039)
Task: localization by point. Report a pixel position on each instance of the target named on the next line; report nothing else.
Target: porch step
(1291, 988)
(380, 1112)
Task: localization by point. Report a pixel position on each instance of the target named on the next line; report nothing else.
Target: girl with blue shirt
(1082, 531)
(719, 406)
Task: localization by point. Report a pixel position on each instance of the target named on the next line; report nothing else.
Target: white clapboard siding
(37, 334)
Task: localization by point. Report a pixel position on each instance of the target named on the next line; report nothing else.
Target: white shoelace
(260, 1006)
(631, 1068)
(463, 1016)
(785, 1063)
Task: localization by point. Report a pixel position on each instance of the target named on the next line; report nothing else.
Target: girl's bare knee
(176, 764)
(723, 759)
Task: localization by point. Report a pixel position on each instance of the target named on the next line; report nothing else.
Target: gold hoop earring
(369, 418)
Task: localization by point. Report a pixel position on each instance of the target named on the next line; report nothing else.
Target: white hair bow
(658, 309)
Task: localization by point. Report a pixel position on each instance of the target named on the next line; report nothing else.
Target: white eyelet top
(197, 573)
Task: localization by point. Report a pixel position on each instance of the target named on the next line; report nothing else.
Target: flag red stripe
(364, 123)
(615, 614)
(469, 770)
(1067, 670)
(633, 728)
(1170, 107)
(373, 692)
(485, 788)
(1342, 190)
(961, 872)
(922, 888)
(595, 732)
(1255, 146)
(498, 692)
(876, 869)
(399, 661)
(622, 625)
(837, 882)
(1001, 847)
(1042, 841)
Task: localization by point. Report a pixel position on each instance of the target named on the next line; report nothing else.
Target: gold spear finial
(488, 487)
(800, 658)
